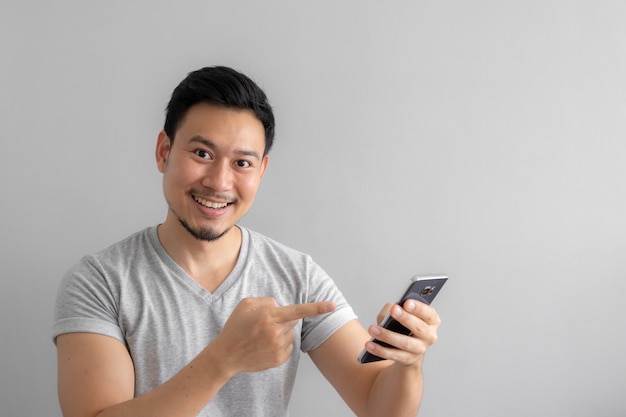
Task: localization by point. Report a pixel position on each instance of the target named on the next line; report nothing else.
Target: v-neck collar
(191, 283)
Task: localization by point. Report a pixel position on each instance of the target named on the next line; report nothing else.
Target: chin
(202, 233)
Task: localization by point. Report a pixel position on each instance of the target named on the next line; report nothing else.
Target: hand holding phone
(423, 288)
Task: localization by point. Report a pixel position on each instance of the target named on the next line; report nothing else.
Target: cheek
(249, 185)
(175, 183)
(181, 174)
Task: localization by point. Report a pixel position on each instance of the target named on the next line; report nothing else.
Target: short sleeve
(316, 330)
(86, 302)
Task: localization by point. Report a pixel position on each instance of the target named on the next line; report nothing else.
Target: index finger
(299, 311)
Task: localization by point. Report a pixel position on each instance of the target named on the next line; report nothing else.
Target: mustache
(210, 194)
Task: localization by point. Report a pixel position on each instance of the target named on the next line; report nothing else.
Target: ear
(163, 148)
(266, 160)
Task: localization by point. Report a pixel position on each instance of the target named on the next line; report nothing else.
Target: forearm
(397, 391)
(184, 395)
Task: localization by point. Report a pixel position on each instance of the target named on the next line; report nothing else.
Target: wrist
(216, 360)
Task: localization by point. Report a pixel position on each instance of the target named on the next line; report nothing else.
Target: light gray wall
(483, 139)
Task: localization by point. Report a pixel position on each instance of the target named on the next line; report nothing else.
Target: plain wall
(481, 139)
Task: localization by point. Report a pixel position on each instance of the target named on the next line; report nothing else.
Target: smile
(209, 204)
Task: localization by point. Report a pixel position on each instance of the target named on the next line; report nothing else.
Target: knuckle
(405, 343)
(432, 316)
(246, 302)
(428, 336)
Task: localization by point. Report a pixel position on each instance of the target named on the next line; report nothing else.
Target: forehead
(222, 125)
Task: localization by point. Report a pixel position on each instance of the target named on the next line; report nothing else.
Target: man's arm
(96, 378)
(390, 388)
(96, 375)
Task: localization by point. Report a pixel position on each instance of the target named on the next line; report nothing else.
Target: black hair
(222, 86)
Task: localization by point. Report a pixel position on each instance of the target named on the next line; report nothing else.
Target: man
(202, 317)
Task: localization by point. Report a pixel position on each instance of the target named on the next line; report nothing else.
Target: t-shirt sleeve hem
(330, 324)
(85, 325)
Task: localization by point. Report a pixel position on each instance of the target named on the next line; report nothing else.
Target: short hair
(221, 86)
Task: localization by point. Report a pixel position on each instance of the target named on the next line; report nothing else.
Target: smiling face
(212, 170)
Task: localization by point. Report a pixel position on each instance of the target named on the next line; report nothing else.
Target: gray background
(483, 139)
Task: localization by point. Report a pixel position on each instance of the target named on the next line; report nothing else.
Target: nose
(218, 176)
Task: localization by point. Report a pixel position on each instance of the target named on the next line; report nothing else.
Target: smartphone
(423, 288)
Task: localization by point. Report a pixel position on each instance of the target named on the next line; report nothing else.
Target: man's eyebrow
(211, 145)
(201, 139)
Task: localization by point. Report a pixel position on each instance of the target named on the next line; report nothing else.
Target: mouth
(210, 204)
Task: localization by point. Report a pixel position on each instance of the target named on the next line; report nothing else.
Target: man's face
(213, 169)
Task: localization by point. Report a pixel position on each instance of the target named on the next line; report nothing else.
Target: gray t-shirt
(135, 292)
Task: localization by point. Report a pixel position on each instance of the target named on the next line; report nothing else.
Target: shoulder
(265, 244)
(264, 253)
(116, 257)
(127, 250)
(129, 246)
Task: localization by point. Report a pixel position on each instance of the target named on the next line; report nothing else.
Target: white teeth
(210, 204)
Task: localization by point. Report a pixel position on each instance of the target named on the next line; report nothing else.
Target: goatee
(206, 235)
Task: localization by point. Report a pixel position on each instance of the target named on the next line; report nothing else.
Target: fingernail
(375, 331)
(410, 305)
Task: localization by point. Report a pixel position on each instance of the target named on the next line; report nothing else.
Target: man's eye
(243, 164)
(203, 154)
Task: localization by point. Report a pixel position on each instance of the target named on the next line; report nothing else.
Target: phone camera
(427, 291)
